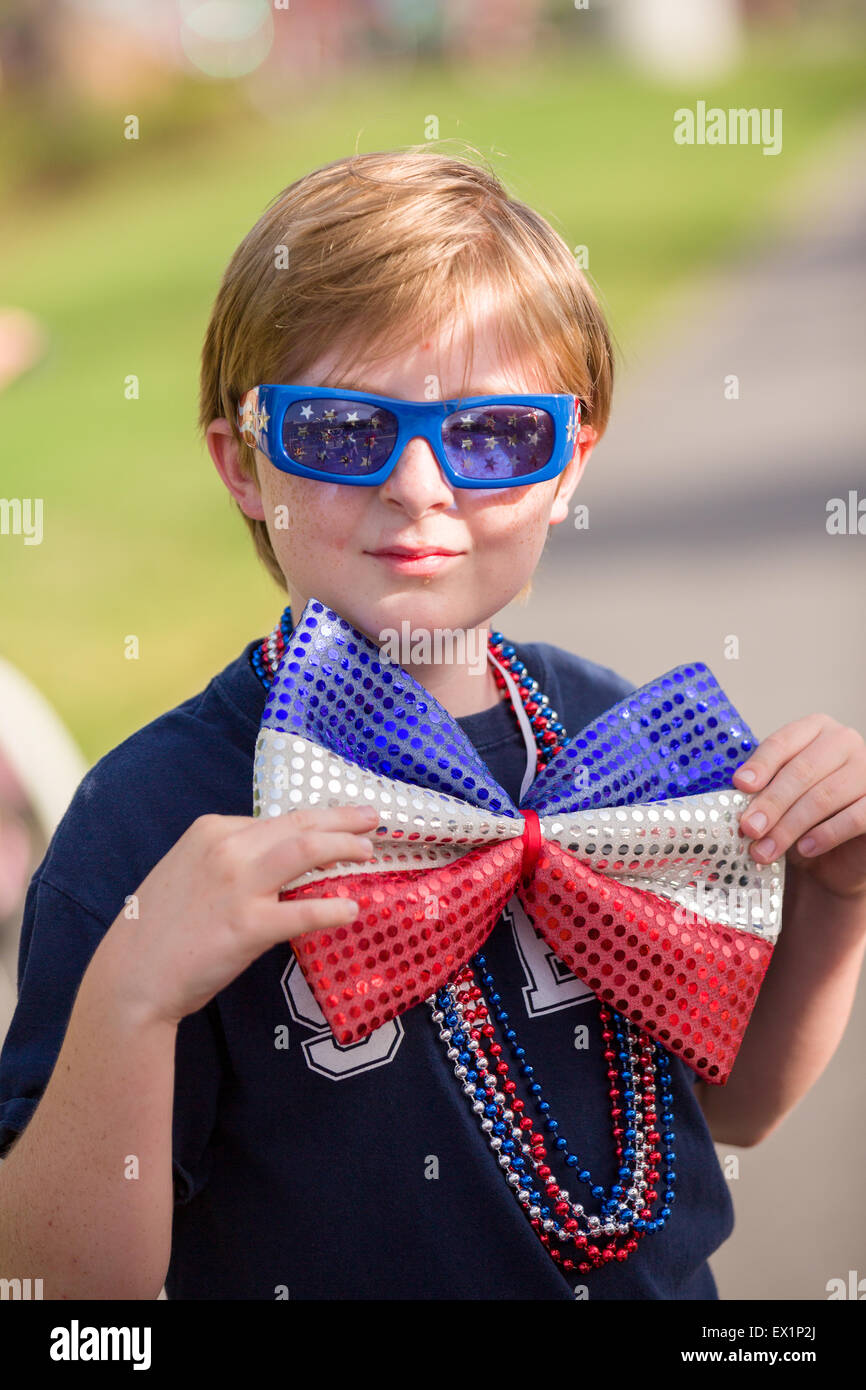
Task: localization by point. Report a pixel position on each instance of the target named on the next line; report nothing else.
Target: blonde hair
(369, 253)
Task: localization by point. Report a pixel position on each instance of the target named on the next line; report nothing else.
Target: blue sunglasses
(355, 437)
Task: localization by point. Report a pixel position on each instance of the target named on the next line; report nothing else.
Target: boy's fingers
(264, 853)
(825, 754)
(282, 921)
(307, 849)
(328, 817)
(777, 749)
(265, 831)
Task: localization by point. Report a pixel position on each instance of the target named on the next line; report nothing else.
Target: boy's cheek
(299, 508)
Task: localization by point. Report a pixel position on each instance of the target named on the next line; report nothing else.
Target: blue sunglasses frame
(262, 410)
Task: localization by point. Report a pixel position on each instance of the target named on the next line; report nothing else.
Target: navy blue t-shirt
(307, 1170)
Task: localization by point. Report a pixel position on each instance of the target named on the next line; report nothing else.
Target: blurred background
(138, 145)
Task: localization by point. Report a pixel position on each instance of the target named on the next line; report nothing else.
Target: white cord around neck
(525, 726)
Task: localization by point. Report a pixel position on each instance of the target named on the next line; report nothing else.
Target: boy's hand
(810, 787)
(210, 907)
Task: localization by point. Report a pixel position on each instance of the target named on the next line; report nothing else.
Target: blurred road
(707, 523)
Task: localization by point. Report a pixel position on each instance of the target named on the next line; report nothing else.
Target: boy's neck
(461, 690)
(459, 676)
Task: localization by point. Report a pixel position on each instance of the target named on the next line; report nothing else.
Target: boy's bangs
(479, 299)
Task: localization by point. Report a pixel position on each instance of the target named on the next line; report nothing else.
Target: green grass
(140, 536)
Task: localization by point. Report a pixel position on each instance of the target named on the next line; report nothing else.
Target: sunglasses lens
(498, 441)
(340, 438)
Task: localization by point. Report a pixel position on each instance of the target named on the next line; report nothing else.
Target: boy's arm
(71, 1211)
(800, 1014)
(87, 1192)
(809, 780)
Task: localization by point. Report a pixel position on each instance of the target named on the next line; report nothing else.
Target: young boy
(187, 1116)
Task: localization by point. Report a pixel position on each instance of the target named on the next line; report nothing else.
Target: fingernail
(368, 845)
(806, 846)
(757, 822)
(765, 847)
(746, 774)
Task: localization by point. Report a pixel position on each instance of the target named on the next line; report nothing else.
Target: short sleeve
(58, 939)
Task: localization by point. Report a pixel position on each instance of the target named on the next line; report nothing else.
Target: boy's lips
(414, 559)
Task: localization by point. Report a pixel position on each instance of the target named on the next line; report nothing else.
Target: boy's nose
(417, 481)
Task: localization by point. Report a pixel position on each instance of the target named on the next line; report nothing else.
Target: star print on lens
(350, 437)
(498, 441)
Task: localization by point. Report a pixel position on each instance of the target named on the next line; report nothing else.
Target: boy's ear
(224, 449)
(572, 474)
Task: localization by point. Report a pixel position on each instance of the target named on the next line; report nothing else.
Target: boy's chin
(422, 606)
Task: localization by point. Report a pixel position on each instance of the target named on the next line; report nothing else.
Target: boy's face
(332, 536)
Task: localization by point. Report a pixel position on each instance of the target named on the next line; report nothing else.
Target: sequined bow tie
(625, 851)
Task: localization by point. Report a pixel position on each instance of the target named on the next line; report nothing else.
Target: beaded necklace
(637, 1068)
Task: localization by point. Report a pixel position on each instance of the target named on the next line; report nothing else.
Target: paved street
(708, 521)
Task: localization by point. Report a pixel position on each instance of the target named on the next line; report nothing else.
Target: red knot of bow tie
(532, 840)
